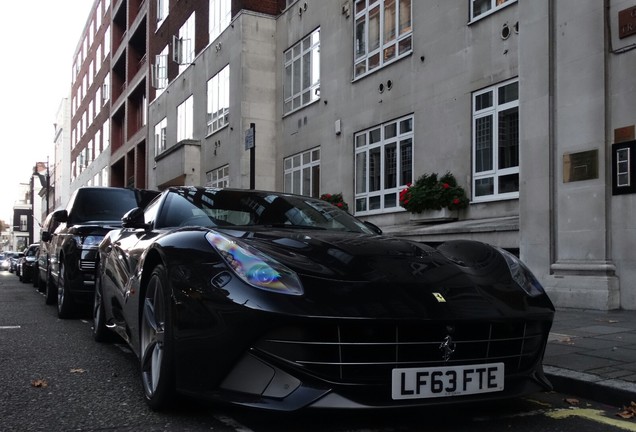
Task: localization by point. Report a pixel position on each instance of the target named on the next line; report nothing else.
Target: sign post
(250, 144)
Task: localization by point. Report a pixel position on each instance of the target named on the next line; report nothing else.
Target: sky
(40, 38)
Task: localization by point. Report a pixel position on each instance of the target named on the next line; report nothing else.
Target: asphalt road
(54, 377)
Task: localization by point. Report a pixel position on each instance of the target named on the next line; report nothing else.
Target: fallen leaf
(628, 412)
(78, 370)
(39, 383)
(572, 401)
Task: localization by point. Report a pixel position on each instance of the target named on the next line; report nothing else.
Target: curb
(608, 391)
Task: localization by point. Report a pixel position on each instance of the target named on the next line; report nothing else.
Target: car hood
(357, 275)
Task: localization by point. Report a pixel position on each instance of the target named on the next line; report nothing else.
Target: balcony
(179, 165)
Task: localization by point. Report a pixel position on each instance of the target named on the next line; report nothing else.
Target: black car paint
(67, 227)
(348, 278)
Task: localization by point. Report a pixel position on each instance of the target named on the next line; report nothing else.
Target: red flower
(456, 201)
(339, 204)
(445, 185)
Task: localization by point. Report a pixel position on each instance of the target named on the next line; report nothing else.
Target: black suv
(72, 247)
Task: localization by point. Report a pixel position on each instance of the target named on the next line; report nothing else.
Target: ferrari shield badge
(440, 298)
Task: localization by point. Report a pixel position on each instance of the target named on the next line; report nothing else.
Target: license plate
(421, 383)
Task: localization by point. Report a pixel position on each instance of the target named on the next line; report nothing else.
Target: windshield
(100, 205)
(232, 208)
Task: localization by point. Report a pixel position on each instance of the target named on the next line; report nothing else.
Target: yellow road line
(594, 415)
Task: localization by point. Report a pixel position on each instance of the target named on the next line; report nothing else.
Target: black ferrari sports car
(284, 302)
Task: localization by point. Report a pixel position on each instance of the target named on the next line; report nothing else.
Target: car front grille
(87, 265)
(366, 352)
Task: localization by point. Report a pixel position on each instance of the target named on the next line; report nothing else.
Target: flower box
(433, 216)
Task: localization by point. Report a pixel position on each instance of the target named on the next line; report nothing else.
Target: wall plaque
(627, 22)
(580, 166)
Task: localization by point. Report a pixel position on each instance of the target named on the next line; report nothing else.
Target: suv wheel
(65, 304)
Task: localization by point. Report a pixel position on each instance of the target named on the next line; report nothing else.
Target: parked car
(45, 254)
(27, 264)
(15, 256)
(72, 247)
(285, 302)
(5, 262)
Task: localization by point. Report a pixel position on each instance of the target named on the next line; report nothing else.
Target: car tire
(65, 305)
(41, 283)
(101, 333)
(50, 291)
(156, 342)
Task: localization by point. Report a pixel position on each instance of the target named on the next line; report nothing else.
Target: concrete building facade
(529, 104)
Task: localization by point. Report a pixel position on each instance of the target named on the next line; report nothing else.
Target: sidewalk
(592, 354)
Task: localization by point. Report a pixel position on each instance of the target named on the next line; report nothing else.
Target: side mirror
(46, 236)
(134, 219)
(60, 216)
(374, 227)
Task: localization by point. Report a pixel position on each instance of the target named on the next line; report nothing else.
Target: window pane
(405, 16)
(361, 204)
(390, 200)
(288, 182)
(374, 170)
(361, 48)
(509, 183)
(483, 144)
(509, 138)
(361, 140)
(306, 189)
(406, 162)
(480, 7)
(374, 28)
(306, 70)
(390, 166)
(315, 181)
(361, 173)
(390, 130)
(296, 77)
(389, 20)
(406, 125)
(509, 93)
(296, 182)
(483, 100)
(374, 203)
(484, 187)
(374, 136)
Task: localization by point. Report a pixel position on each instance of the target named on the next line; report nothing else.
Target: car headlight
(254, 267)
(522, 274)
(88, 242)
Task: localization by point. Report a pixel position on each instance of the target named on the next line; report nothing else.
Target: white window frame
(301, 173)
(159, 71)
(623, 168)
(371, 53)
(162, 11)
(488, 7)
(218, 178)
(301, 80)
(220, 15)
(185, 119)
(218, 113)
(160, 136)
(183, 44)
(371, 147)
(495, 172)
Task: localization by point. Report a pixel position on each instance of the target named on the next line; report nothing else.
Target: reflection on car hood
(356, 272)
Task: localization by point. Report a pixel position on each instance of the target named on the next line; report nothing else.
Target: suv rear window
(101, 205)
